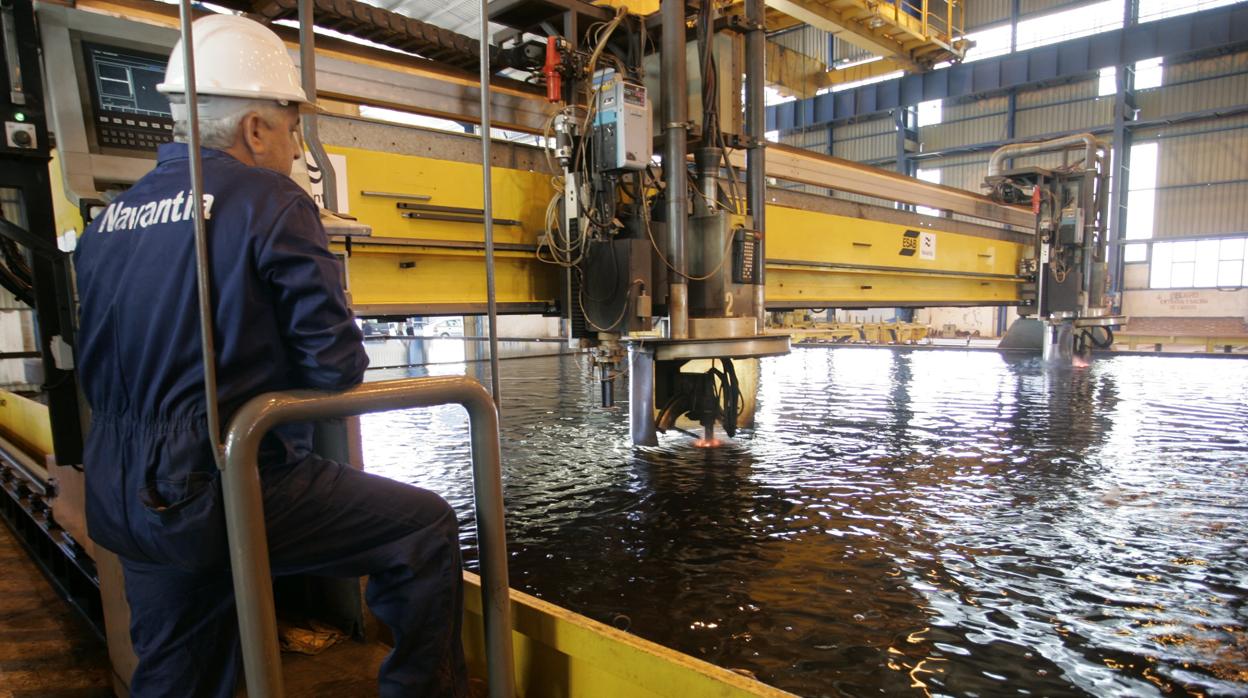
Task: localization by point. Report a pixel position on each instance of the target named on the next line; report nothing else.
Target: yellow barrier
(560, 654)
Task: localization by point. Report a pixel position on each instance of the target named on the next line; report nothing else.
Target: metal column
(1120, 175)
(675, 149)
(203, 263)
(756, 158)
(641, 395)
(487, 188)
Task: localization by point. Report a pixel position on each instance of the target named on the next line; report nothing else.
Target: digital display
(124, 81)
(128, 113)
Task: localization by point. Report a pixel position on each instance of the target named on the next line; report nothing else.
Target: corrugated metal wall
(807, 40)
(979, 121)
(1202, 178)
(1073, 107)
(866, 141)
(984, 13)
(1215, 83)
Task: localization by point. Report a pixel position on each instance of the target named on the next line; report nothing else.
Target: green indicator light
(19, 117)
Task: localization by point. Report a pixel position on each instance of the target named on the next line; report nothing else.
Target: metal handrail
(244, 511)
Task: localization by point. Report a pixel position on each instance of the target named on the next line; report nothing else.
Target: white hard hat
(236, 57)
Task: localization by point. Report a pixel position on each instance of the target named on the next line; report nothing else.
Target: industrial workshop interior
(785, 347)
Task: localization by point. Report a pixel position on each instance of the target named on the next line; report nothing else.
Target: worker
(281, 322)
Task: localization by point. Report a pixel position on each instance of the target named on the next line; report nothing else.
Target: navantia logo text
(120, 216)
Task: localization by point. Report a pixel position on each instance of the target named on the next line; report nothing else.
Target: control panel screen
(129, 113)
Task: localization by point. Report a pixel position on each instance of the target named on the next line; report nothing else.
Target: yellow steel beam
(885, 28)
(807, 167)
(816, 259)
(863, 71)
(25, 423)
(794, 73)
(560, 653)
(412, 267)
(823, 17)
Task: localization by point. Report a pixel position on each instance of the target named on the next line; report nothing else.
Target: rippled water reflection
(928, 522)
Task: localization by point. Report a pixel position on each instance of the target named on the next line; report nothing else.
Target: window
(930, 113)
(772, 96)
(868, 81)
(322, 31)
(989, 43)
(408, 119)
(1217, 263)
(932, 176)
(1071, 24)
(1142, 199)
(1147, 76)
(1151, 10)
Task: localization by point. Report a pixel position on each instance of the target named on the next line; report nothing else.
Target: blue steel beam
(1222, 28)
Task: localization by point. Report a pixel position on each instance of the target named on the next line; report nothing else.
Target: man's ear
(249, 132)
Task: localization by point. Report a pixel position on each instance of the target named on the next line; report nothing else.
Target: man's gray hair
(219, 118)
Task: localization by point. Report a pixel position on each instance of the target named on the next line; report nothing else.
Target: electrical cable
(580, 300)
(16, 261)
(14, 285)
(654, 243)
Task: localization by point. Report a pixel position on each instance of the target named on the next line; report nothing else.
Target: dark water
(900, 523)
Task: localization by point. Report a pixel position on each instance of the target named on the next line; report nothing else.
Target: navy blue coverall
(153, 489)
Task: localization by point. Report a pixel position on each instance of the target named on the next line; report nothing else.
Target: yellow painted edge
(631, 665)
(26, 423)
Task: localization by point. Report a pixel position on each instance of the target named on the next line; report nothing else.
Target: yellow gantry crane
(910, 35)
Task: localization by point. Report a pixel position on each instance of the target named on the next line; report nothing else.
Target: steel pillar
(675, 150)
(755, 131)
(1120, 175)
(641, 395)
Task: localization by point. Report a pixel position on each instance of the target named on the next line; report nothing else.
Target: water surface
(899, 522)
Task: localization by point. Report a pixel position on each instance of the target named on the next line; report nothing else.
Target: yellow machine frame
(814, 259)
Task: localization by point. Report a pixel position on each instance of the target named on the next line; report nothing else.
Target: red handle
(554, 81)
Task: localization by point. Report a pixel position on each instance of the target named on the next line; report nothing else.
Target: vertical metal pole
(311, 129)
(641, 396)
(252, 583)
(675, 149)
(487, 487)
(249, 567)
(1120, 177)
(901, 121)
(203, 263)
(487, 189)
(756, 156)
